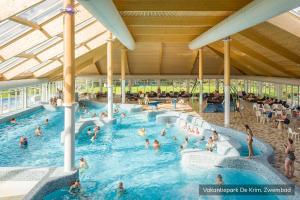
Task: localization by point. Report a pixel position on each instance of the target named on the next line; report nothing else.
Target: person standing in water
(219, 180)
(249, 141)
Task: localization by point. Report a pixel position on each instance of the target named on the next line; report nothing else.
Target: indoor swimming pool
(118, 154)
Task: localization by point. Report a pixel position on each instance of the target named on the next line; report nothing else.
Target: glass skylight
(10, 30)
(42, 11)
(44, 45)
(6, 65)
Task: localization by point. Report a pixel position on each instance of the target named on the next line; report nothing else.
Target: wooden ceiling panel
(190, 5)
(198, 21)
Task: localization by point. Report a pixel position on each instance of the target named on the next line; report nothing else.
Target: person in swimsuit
(290, 159)
(23, 142)
(120, 189)
(156, 144)
(38, 131)
(249, 141)
(219, 180)
(147, 143)
(75, 187)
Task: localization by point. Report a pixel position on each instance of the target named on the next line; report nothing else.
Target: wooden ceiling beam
(270, 45)
(237, 65)
(161, 57)
(180, 5)
(221, 55)
(252, 53)
(98, 67)
(170, 21)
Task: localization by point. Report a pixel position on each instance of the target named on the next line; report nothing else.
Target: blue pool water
(118, 154)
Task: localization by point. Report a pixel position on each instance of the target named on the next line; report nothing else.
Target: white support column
(123, 81)
(25, 97)
(227, 81)
(200, 80)
(100, 85)
(109, 78)
(69, 86)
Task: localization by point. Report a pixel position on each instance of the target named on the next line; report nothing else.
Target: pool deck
(25, 182)
(273, 136)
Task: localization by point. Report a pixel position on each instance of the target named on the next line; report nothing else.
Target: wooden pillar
(123, 81)
(200, 79)
(227, 81)
(109, 78)
(69, 85)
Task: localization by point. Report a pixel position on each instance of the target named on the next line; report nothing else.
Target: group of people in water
(23, 141)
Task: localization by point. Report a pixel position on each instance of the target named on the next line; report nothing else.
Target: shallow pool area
(119, 154)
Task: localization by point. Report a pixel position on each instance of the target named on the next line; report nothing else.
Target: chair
(293, 134)
(263, 118)
(258, 115)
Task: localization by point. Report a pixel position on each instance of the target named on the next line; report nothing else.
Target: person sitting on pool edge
(163, 132)
(215, 136)
(142, 132)
(147, 143)
(120, 189)
(38, 131)
(75, 187)
(13, 121)
(156, 144)
(210, 144)
(219, 180)
(23, 142)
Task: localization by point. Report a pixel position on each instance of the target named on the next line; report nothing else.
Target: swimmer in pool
(147, 143)
(120, 189)
(83, 164)
(96, 129)
(219, 180)
(142, 132)
(13, 121)
(163, 132)
(38, 131)
(174, 138)
(75, 187)
(123, 115)
(23, 141)
(156, 144)
(89, 131)
(46, 121)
